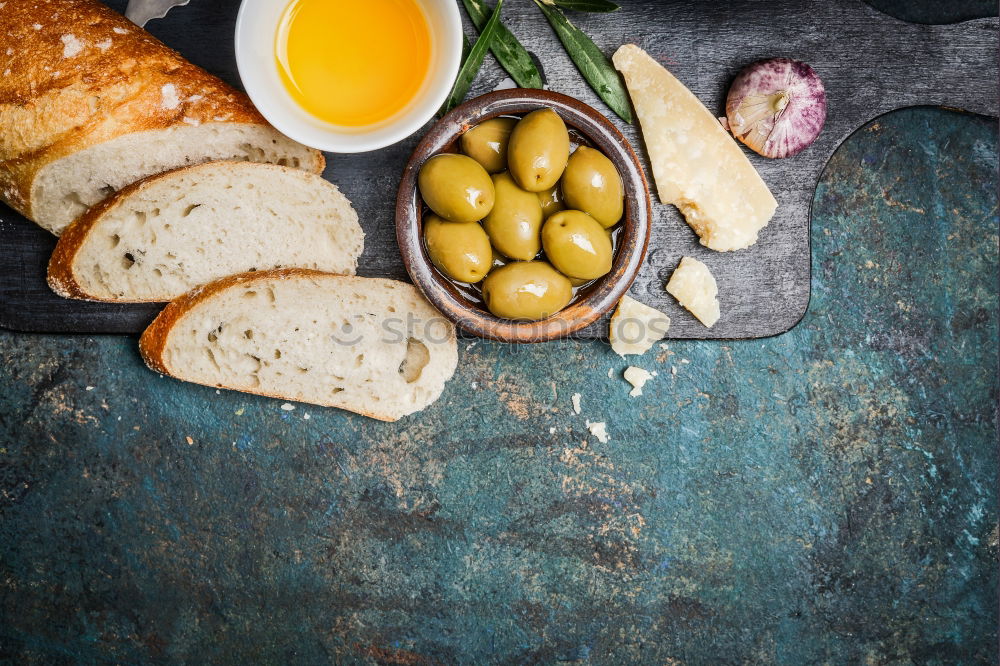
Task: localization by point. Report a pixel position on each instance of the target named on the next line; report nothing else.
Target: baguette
(156, 239)
(368, 345)
(90, 103)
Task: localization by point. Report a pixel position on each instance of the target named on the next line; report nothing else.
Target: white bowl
(256, 30)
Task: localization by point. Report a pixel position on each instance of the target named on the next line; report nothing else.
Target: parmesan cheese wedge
(697, 165)
(694, 287)
(635, 327)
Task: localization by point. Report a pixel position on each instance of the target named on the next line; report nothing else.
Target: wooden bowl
(462, 307)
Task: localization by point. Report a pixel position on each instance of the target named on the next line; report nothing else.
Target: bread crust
(153, 341)
(62, 272)
(75, 74)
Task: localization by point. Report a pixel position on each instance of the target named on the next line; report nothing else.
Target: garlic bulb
(777, 107)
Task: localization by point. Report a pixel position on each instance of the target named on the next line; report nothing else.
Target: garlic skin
(777, 107)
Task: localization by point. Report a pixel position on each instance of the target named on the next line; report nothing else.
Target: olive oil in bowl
(354, 63)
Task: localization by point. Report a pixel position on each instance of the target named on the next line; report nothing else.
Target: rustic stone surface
(826, 496)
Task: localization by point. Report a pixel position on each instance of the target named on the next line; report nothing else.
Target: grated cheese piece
(697, 165)
(599, 430)
(694, 287)
(635, 327)
(637, 377)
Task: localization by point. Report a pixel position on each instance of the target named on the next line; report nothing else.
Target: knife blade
(141, 12)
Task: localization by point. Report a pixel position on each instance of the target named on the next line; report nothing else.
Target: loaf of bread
(368, 345)
(157, 239)
(90, 103)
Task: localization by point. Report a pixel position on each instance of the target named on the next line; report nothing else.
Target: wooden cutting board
(870, 63)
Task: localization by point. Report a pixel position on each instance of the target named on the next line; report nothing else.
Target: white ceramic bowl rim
(256, 28)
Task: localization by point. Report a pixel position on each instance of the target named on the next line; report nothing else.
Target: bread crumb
(599, 430)
(637, 377)
(611, 373)
(71, 45)
(104, 44)
(119, 31)
(189, 440)
(306, 416)
(475, 385)
(288, 407)
(673, 369)
(89, 388)
(552, 430)
(239, 412)
(170, 98)
(10, 51)
(576, 402)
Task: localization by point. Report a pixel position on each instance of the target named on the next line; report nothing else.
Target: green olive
(578, 282)
(526, 290)
(551, 200)
(460, 250)
(456, 187)
(538, 150)
(487, 143)
(577, 245)
(592, 184)
(515, 221)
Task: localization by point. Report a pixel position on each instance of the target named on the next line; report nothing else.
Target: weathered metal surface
(826, 496)
(870, 62)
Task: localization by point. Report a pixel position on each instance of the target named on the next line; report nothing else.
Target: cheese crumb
(288, 407)
(635, 327)
(637, 377)
(306, 416)
(694, 287)
(599, 430)
(576, 402)
(552, 430)
(611, 373)
(170, 98)
(71, 46)
(90, 388)
(239, 412)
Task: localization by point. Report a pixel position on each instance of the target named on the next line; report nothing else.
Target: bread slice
(368, 345)
(161, 237)
(90, 103)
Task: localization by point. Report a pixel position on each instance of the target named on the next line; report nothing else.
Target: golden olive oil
(353, 63)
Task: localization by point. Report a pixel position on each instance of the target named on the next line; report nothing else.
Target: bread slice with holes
(368, 345)
(90, 103)
(167, 234)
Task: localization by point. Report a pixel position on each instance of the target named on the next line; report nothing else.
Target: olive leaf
(473, 61)
(508, 50)
(584, 5)
(591, 61)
